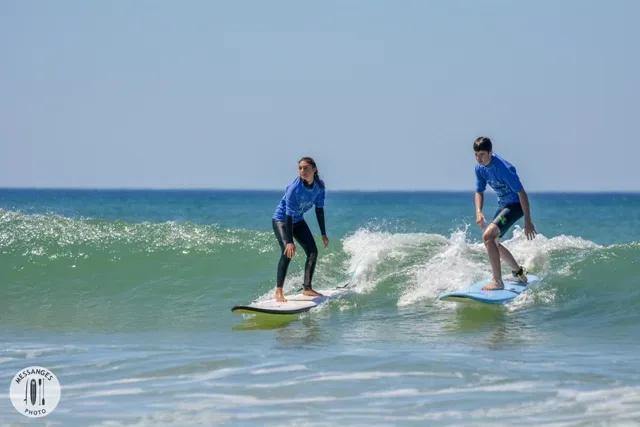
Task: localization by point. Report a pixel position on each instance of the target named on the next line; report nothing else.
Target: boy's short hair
(482, 144)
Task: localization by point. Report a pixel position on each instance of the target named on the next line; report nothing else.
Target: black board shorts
(507, 216)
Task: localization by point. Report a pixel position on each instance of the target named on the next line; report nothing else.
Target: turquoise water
(126, 297)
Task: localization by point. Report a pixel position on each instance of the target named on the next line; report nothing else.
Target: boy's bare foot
(494, 286)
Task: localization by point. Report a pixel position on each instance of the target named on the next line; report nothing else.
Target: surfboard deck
(296, 303)
(512, 288)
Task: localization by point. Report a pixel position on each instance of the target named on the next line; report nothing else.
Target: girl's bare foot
(279, 296)
(311, 293)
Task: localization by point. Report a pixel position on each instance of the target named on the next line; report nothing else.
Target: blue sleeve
(481, 183)
(320, 199)
(291, 200)
(510, 176)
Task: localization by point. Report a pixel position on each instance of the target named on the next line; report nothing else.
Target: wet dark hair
(482, 144)
(312, 162)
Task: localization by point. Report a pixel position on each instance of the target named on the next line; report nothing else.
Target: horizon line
(222, 189)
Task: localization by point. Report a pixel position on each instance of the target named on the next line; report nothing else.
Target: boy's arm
(529, 229)
(480, 219)
(479, 201)
(481, 185)
(524, 201)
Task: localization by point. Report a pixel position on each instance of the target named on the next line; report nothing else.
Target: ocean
(126, 296)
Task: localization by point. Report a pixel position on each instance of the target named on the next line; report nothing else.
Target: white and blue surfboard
(295, 304)
(512, 288)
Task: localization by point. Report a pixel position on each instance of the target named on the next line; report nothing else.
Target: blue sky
(383, 94)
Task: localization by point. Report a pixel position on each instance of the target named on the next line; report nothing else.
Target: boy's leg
(490, 238)
(504, 220)
(507, 256)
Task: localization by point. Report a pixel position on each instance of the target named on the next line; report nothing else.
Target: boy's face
(483, 157)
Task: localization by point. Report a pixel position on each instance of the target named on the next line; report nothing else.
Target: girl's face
(306, 171)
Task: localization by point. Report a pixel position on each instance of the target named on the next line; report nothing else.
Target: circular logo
(35, 392)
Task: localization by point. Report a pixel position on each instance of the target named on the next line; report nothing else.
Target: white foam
(373, 246)
(214, 399)
(114, 392)
(534, 297)
(462, 262)
(433, 264)
(449, 269)
(345, 376)
(403, 392)
(96, 384)
(280, 369)
(611, 395)
(368, 249)
(535, 253)
(397, 406)
(218, 373)
(29, 352)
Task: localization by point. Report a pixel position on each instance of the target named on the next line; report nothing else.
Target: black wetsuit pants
(302, 234)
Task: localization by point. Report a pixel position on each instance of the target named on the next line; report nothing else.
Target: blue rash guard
(502, 177)
(298, 199)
